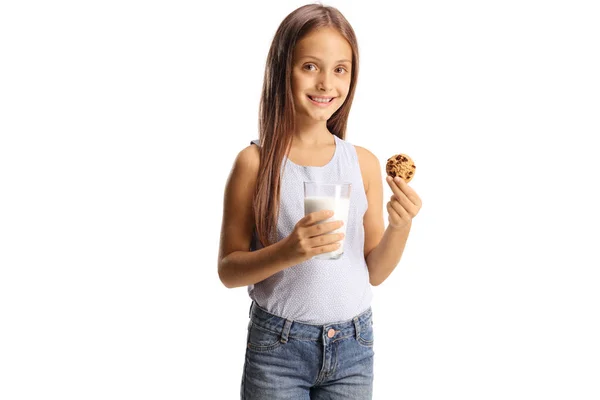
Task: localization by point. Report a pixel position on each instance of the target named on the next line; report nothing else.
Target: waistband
(301, 330)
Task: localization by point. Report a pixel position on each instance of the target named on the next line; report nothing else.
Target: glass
(329, 196)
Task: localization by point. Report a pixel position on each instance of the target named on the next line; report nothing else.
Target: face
(321, 74)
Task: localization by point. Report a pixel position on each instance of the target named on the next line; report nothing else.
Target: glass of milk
(329, 196)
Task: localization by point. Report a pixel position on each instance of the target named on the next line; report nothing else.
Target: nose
(325, 82)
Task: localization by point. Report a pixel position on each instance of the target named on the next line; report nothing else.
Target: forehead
(324, 43)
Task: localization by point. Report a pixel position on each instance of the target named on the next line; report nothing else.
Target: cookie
(400, 165)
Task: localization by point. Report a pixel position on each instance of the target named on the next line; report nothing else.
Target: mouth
(320, 100)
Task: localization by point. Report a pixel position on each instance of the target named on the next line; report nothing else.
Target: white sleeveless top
(319, 291)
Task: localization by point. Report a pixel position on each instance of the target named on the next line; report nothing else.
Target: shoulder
(248, 159)
(242, 177)
(238, 217)
(366, 156)
(244, 171)
(369, 165)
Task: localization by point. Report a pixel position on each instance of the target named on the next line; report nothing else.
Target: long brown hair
(276, 110)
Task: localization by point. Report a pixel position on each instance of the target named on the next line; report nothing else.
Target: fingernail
(397, 179)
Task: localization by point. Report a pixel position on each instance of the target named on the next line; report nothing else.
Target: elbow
(374, 282)
(372, 278)
(227, 277)
(223, 277)
(224, 281)
(227, 283)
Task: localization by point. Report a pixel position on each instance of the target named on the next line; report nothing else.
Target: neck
(310, 134)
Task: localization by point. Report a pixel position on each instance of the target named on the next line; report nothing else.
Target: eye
(310, 65)
(344, 70)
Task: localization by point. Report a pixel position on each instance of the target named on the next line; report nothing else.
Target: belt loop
(356, 326)
(286, 330)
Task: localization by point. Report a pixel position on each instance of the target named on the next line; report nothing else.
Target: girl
(310, 329)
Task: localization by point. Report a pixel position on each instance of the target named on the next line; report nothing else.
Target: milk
(340, 207)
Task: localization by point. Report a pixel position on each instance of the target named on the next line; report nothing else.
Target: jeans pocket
(365, 337)
(261, 339)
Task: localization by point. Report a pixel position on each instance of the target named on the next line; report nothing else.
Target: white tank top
(319, 291)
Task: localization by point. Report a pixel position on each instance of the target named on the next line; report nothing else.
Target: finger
(405, 212)
(394, 185)
(399, 210)
(315, 217)
(393, 214)
(406, 204)
(327, 248)
(324, 240)
(409, 192)
(397, 189)
(326, 227)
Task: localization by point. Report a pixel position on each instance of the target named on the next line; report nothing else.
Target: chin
(321, 117)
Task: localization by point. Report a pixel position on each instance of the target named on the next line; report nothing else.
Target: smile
(321, 101)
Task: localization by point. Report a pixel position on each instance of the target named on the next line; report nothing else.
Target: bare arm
(403, 206)
(383, 246)
(237, 265)
(385, 257)
(242, 268)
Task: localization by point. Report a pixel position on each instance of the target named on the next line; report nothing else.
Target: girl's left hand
(404, 204)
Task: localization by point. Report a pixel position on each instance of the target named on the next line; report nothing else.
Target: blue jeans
(292, 360)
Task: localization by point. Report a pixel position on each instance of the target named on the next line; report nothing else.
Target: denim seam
(262, 328)
(259, 348)
(335, 362)
(340, 338)
(364, 342)
(303, 339)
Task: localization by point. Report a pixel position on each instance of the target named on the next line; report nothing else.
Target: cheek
(345, 87)
(297, 88)
(344, 94)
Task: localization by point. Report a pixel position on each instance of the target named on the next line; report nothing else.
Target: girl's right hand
(310, 238)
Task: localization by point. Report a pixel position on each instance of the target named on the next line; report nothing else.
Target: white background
(119, 124)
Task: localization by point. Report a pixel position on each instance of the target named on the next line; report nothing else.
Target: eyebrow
(318, 59)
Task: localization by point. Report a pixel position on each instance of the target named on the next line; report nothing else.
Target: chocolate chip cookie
(400, 165)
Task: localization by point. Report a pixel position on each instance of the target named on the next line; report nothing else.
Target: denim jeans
(292, 360)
